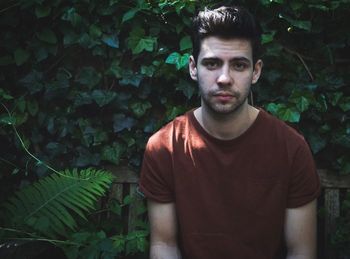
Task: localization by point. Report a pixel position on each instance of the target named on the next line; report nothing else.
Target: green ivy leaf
(267, 37)
(186, 88)
(32, 107)
(42, 11)
(283, 112)
(129, 14)
(47, 35)
(4, 95)
(185, 43)
(121, 122)
(111, 40)
(304, 25)
(178, 60)
(344, 103)
(82, 98)
(21, 56)
(130, 78)
(335, 98)
(95, 31)
(7, 120)
(88, 76)
(144, 44)
(289, 114)
(317, 142)
(103, 97)
(147, 70)
(113, 153)
(73, 17)
(140, 108)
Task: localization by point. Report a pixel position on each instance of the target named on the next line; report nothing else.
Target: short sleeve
(304, 184)
(156, 181)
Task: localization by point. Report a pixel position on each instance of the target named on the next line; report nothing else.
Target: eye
(211, 64)
(240, 66)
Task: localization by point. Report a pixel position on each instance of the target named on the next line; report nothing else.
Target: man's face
(225, 72)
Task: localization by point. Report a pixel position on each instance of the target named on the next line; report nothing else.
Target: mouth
(223, 96)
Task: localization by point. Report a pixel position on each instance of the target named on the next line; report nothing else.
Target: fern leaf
(49, 205)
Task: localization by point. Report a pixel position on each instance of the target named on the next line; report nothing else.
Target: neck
(226, 126)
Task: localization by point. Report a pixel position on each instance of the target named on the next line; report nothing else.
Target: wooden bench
(332, 185)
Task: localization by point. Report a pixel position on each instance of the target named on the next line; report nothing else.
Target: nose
(224, 77)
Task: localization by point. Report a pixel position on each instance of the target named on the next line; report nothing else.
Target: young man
(228, 180)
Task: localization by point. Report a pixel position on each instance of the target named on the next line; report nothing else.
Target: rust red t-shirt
(230, 195)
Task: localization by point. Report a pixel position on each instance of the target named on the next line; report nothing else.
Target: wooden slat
(123, 174)
(137, 202)
(332, 209)
(331, 180)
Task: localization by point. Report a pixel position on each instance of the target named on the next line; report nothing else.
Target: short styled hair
(227, 23)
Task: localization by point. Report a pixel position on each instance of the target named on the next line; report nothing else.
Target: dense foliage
(86, 82)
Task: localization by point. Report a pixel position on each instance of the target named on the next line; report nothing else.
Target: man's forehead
(230, 48)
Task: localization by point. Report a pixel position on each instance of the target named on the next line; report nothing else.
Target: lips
(224, 97)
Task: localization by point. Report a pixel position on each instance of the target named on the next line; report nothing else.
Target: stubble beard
(220, 109)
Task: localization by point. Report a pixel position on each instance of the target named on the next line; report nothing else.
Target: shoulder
(170, 133)
(281, 129)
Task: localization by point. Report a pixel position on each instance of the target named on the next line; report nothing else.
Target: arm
(300, 231)
(163, 224)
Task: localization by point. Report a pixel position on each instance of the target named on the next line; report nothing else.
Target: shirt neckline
(228, 142)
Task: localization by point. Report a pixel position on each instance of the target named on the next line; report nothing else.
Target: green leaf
(335, 97)
(147, 70)
(113, 153)
(32, 107)
(140, 108)
(283, 112)
(185, 43)
(42, 11)
(95, 31)
(304, 25)
(47, 205)
(47, 35)
(103, 97)
(289, 114)
(21, 56)
(317, 142)
(88, 76)
(179, 60)
(130, 78)
(7, 120)
(186, 88)
(111, 40)
(344, 103)
(4, 95)
(121, 122)
(267, 37)
(319, 7)
(302, 103)
(73, 17)
(144, 44)
(129, 14)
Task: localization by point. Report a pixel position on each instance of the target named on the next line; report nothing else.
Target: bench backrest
(127, 180)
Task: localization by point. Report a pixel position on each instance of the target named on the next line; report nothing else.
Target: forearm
(291, 255)
(164, 251)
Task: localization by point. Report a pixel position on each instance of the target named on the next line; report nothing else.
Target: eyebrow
(235, 59)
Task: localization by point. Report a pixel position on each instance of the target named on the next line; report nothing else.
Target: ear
(257, 71)
(193, 68)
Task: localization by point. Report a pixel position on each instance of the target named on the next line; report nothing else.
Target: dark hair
(227, 23)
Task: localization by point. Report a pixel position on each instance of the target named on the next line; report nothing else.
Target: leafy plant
(46, 207)
(87, 83)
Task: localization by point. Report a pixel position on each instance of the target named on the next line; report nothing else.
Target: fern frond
(48, 206)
